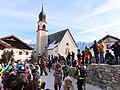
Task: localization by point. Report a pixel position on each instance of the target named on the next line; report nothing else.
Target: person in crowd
(81, 77)
(15, 80)
(43, 67)
(68, 59)
(86, 57)
(49, 57)
(7, 78)
(89, 53)
(59, 57)
(29, 73)
(36, 83)
(3, 69)
(72, 57)
(95, 50)
(101, 51)
(52, 58)
(49, 64)
(79, 57)
(108, 57)
(65, 71)
(83, 55)
(116, 48)
(74, 63)
(67, 84)
(62, 60)
(58, 77)
(69, 56)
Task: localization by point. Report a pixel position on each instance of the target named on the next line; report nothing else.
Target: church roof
(57, 37)
(14, 42)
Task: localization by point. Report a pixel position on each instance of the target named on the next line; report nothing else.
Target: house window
(108, 46)
(20, 53)
(27, 53)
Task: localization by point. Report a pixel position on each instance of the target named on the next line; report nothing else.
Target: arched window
(44, 27)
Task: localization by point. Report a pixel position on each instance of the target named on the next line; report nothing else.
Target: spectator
(65, 71)
(101, 51)
(81, 77)
(79, 57)
(95, 50)
(73, 57)
(83, 55)
(67, 84)
(58, 76)
(49, 64)
(86, 57)
(108, 57)
(116, 48)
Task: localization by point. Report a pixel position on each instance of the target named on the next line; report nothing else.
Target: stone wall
(106, 77)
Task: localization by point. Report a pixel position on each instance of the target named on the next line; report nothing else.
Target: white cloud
(117, 23)
(109, 6)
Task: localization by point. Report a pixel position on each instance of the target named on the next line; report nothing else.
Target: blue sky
(87, 20)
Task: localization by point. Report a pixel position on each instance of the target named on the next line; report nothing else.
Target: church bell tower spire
(42, 15)
(42, 34)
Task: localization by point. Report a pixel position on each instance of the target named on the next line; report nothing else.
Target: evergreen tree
(6, 56)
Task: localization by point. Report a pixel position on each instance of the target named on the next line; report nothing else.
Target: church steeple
(42, 15)
(42, 34)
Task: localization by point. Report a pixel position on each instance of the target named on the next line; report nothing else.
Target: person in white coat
(67, 84)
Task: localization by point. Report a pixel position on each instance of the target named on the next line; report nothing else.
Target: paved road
(50, 82)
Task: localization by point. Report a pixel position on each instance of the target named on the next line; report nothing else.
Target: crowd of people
(19, 75)
(100, 56)
(62, 74)
(25, 75)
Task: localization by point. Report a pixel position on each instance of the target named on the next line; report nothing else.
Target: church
(60, 42)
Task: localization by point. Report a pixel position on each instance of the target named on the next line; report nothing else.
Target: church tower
(42, 34)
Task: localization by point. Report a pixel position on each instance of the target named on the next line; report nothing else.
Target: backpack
(65, 70)
(83, 72)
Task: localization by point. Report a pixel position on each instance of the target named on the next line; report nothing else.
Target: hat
(21, 68)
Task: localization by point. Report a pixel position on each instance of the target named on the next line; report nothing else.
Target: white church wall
(53, 52)
(63, 48)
